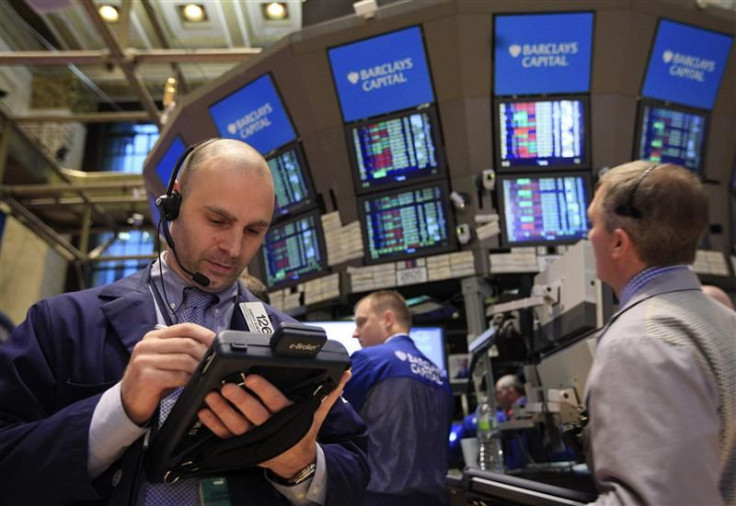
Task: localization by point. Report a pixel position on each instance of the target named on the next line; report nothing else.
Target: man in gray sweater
(662, 391)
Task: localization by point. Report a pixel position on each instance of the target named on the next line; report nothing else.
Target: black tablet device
(297, 359)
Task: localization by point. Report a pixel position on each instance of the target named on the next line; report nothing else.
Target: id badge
(256, 317)
(214, 492)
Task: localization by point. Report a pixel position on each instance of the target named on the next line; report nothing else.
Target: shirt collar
(174, 286)
(642, 278)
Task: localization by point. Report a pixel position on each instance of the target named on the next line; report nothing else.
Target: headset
(169, 205)
(630, 209)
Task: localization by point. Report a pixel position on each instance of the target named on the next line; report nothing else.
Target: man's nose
(231, 242)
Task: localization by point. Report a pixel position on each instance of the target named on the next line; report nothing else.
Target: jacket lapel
(129, 309)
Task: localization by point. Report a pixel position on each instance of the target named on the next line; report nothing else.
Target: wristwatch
(298, 478)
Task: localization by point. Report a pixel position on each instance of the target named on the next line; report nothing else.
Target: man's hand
(163, 360)
(222, 418)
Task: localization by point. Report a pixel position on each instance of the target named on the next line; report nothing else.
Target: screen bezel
(289, 282)
(514, 169)
(273, 82)
(437, 139)
(644, 102)
(305, 204)
(434, 250)
(505, 240)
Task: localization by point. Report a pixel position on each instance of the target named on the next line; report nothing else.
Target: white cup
(469, 446)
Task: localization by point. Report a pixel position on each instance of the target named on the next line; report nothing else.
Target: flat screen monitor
(542, 132)
(396, 149)
(686, 64)
(381, 74)
(407, 223)
(429, 340)
(542, 53)
(165, 165)
(291, 181)
(671, 134)
(293, 251)
(543, 209)
(255, 114)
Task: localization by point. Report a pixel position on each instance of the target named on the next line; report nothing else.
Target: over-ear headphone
(630, 209)
(169, 204)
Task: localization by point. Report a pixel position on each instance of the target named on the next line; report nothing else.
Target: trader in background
(86, 376)
(509, 393)
(661, 393)
(406, 402)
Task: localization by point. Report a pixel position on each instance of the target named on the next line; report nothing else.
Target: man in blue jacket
(406, 402)
(82, 379)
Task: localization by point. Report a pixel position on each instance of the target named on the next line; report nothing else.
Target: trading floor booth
(449, 150)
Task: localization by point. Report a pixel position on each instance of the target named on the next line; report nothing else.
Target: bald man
(88, 374)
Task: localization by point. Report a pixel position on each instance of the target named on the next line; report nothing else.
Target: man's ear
(622, 245)
(388, 319)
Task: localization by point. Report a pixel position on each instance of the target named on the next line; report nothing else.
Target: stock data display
(669, 135)
(292, 250)
(540, 133)
(395, 149)
(290, 180)
(544, 209)
(406, 223)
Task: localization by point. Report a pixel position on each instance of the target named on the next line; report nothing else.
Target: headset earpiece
(169, 204)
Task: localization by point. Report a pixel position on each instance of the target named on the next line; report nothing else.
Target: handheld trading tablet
(297, 359)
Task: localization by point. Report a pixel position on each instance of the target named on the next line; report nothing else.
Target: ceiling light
(275, 11)
(194, 13)
(109, 13)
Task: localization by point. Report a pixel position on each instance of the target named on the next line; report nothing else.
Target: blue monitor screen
(165, 166)
(671, 135)
(294, 191)
(544, 209)
(382, 74)
(542, 133)
(256, 115)
(686, 64)
(396, 149)
(429, 340)
(293, 251)
(542, 53)
(407, 223)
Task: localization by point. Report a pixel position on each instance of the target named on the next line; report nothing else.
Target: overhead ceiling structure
(124, 64)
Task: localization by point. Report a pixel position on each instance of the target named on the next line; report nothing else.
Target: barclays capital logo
(400, 355)
(544, 54)
(232, 128)
(688, 66)
(382, 75)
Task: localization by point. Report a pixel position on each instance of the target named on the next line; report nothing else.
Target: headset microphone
(197, 277)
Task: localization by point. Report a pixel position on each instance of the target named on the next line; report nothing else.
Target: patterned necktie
(183, 492)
